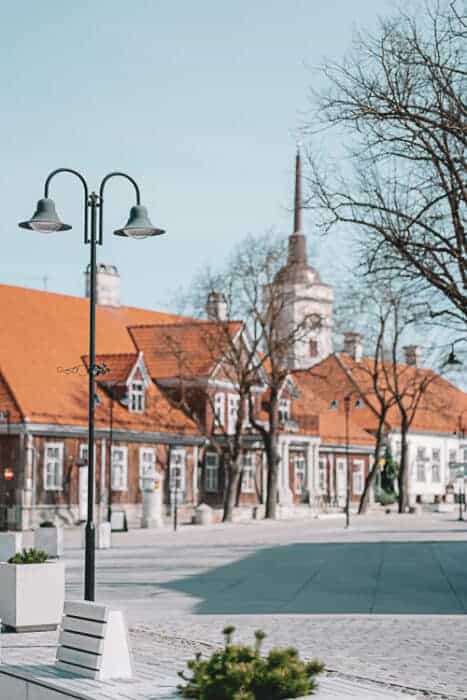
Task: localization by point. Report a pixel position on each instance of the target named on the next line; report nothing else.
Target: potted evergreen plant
(239, 672)
(32, 591)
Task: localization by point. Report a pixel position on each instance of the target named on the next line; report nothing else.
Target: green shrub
(386, 498)
(29, 556)
(241, 673)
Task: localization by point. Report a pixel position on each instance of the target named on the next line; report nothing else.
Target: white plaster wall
(303, 301)
(445, 443)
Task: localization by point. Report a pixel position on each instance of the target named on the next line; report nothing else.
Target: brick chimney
(353, 345)
(216, 307)
(413, 355)
(107, 285)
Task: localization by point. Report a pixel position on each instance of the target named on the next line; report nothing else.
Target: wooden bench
(93, 642)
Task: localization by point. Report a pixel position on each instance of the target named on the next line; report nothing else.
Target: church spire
(297, 241)
(297, 219)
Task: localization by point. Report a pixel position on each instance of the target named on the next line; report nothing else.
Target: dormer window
(137, 397)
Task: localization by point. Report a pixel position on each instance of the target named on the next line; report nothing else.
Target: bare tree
(399, 98)
(200, 354)
(393, 390)
(253, 290)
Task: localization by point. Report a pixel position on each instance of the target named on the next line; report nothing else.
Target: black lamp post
(46, 220)
(460, 432)
(347, 400)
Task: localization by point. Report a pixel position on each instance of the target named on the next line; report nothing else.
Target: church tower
(308, 301)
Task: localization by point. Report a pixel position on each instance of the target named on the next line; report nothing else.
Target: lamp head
(452, 357)
(139, 224)
(45, 219)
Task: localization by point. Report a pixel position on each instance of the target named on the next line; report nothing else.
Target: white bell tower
(307, 298)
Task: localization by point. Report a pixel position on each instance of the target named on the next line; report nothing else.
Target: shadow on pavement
(336, 578)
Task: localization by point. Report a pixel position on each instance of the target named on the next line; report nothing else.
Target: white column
(309, 470)
(332, 483)
(285, 493)
(264, 468)
(103, 479)
(195, 475)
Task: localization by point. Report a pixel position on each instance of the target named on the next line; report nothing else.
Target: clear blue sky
(199, 101)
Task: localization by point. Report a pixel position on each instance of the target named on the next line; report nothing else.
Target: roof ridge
(196, 323)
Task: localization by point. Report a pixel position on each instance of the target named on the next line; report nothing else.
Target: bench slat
(73, 624)
(86, 610)
(80, 641)
(81, 658)
(85, 672)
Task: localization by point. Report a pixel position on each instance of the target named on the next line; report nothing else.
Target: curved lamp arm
(86, 191)
(101, 197)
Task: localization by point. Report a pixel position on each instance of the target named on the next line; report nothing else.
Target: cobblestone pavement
(179, 589)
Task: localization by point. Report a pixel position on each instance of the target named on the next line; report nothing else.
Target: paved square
(383, 601)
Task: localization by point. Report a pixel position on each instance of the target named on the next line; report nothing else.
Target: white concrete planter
(32, 595)
(10, 543)
(203, 514)
(50, 539)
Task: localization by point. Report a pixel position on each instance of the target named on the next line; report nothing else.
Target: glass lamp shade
(139, 224)
(45, 218)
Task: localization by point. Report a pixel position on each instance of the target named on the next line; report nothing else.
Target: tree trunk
(272, 458)
(403, 476)
(230, 498)
(365, 498)
(272, 485)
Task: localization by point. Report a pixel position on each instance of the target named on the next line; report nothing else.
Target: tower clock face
(314, 321)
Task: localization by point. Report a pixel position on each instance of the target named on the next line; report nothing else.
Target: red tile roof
(117, 366)
(332, 428)
(44, 336)
(187, 349)
(339, 375)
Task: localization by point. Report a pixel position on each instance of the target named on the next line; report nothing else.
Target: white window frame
(137, 396)
(248, 472)
(146, 470)
(176, 454)
(57, 483)
(284, 410)
(299, 472)
(233, 404)
(122, 484)
(358, 475)
(211, 472)
(341, 468)
(219, 409)
(436, 472)
(421, 475)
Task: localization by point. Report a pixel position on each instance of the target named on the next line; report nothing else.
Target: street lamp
(460, 432)
(46, 220)
(347, 400)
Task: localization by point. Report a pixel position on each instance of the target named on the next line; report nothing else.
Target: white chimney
(413, 355)
(107, 285)
(353, 345)
(216, 307)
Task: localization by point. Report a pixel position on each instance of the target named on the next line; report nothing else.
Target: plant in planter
(240, 673)
(29, 556)
(32, 591)
(47, 523)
